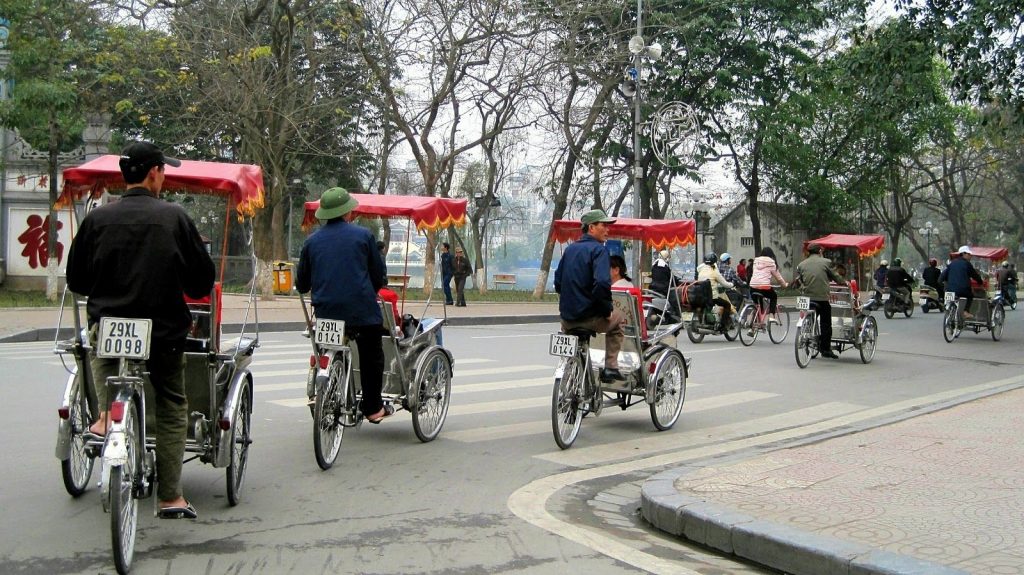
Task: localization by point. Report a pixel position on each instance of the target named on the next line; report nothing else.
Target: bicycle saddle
(582, 332)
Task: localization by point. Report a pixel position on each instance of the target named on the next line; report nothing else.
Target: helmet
(725, 257)
(1006, 264)
(897, 262)
(710, 258)
(933, 262)
(884, 262)
(664, 254)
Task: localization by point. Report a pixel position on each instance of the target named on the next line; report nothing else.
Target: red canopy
(241, 183)
(425, 211)
(867, 246)
(986, 253)
(655, 233)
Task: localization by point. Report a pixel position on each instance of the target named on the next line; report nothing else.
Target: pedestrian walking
(461, 269)
(447, 272)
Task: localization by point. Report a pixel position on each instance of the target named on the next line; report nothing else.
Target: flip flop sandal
(186, 512)
(388, 412)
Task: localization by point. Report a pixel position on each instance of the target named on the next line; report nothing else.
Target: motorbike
(1011, 295)
(895, 303)
(928, 299)
(710, 320)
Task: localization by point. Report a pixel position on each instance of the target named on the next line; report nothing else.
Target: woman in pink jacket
(765, 270)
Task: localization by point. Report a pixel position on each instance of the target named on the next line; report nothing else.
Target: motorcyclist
(1003, 279)
(880, 275)
(899, 281)
(661, 273)
(709, 271)
(931, 277)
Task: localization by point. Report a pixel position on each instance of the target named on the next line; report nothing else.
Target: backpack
(696, 294)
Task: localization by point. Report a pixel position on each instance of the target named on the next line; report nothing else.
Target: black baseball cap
(138, 157)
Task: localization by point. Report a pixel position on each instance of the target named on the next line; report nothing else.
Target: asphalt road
(493, 493)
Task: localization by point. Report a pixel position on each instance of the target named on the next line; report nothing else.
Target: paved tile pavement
(939, 493)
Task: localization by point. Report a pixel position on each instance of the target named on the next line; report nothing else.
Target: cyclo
(988, 309)
(655, 371)
(218, 383)
(853, 327)
(417, 366)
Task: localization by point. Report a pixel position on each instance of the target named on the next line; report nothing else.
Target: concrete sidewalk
(935, 494)
(282, 313)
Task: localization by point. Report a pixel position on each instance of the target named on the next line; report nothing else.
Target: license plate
(564, 345)
(330, 333)
(124, 338)
(922, 301)
(686, 316)
(949, 297)
(885, 297)
(803, 303)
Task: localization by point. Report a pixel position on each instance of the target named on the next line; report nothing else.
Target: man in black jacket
(137, 258)
(899, 281)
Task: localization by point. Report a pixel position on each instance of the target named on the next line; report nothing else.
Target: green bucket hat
(596, 217)
(335, 202)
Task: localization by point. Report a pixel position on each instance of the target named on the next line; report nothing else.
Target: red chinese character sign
(27, 240)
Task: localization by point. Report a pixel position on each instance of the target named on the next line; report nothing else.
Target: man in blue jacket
(583, 282)
(342, 266)
(957, 278)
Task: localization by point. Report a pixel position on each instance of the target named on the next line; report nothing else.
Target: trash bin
(282, 278)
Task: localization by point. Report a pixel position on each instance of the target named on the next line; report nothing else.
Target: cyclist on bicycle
(342, 267)
(899, 281)
(583, 282)
(765, 270)
(709, 271)
(931, 277)
(813, 275)
(958, 275)
(135, 258)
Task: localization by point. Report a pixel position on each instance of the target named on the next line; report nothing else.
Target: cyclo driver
(958, 275)
(899, 281)
(135, 258)
(814, 275)
(341, 265)
(583, 282)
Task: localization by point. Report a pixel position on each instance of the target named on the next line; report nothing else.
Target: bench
(400, 281)
(504, 279)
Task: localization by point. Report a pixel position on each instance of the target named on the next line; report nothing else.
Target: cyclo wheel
(869, 336)
(124, 507)
(241, 438)
(777, 332)
(77, 468)
(327, 425)
(803, 339)
(566, 403)
(433, 388)
(748, 333)
(949, 322)
(669, 390)
(998, 316)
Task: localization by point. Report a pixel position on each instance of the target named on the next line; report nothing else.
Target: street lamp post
(928, 231)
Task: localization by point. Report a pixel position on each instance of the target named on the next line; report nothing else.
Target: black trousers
(824, 309)
(768, 294)
(371, 365)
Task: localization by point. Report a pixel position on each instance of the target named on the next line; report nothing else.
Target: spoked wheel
(124, 507)
(567, 403)
(869, 335)
(778, 332)
(692, 330)
(433, 392)
(950, 329)
(77, 468)
(669, 390)
(998, 317)
(327, 425)
(748, 333)
(804, 340)
(241, 438)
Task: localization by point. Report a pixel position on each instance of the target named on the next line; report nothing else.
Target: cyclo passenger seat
(582, 333)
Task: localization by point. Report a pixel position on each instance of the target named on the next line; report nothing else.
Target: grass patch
(24, 298)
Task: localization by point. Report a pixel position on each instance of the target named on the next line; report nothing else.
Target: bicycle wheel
(240, 441)
(327, 426)
(778, 332)
(998, 316)
(869, 335)
(433, 391)
(669, 390)
(124, 507)
(804, 340)
(77, 468)
(566, 403)
(748, 331)
(950, 329)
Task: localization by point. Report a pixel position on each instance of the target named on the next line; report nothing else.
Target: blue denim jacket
(340, 263)
(583, 280)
